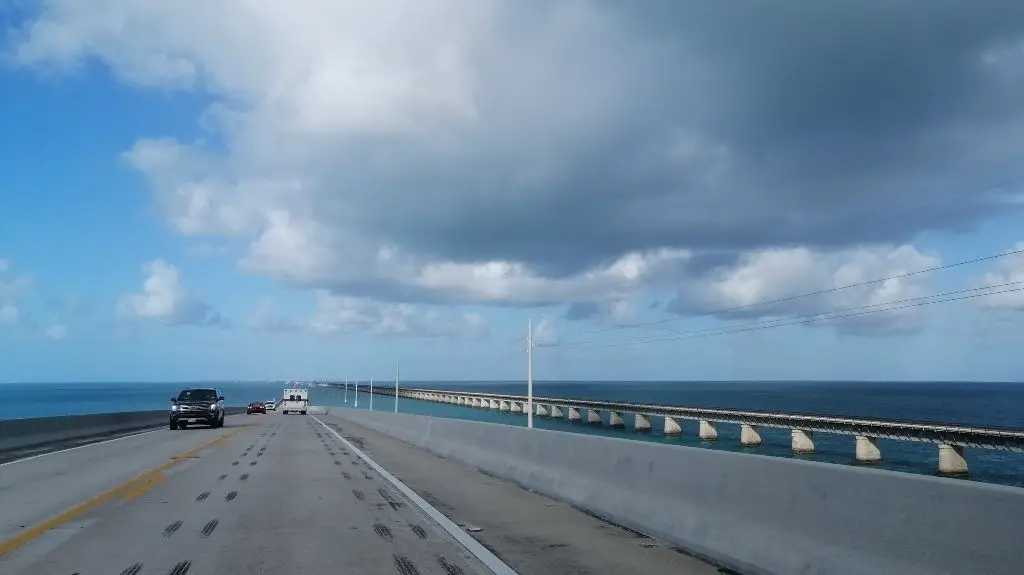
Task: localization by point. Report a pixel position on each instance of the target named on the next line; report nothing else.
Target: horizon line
(509, 381)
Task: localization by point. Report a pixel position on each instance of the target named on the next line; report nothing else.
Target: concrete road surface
(267, 494)
(534, 534)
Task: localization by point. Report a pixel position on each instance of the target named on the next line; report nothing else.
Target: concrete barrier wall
(752, 513)
(39, 431)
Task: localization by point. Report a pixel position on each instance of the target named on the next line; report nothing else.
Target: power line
(656, 337)
(794, 297)
(802, 320)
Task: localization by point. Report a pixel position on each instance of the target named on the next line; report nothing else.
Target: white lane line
(31, 457)
(490, 560)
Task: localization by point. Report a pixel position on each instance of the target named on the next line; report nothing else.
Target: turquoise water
(46, 399)
(985, 404)
(998, 405)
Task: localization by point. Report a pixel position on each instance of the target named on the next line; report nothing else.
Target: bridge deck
(283, 494)
(930, 432)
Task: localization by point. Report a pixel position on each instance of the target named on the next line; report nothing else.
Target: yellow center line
(128, 490)
(146, 486)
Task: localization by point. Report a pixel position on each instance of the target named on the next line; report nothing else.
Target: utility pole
(346, 390)
(529, 374)
(357, 393)
(397, 369)
(371, 394)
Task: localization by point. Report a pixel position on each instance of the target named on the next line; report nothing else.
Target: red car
(255, 408)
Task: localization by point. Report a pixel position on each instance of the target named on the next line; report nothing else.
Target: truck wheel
(173, 427)
(303, 412)
(285, 412)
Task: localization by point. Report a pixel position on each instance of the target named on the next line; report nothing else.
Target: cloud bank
(564, 152)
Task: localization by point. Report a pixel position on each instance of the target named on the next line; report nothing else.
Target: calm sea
(983, 404)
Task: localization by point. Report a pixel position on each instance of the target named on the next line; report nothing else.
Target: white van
(295, 399)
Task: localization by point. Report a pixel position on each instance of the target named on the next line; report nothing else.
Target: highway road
(264, 494)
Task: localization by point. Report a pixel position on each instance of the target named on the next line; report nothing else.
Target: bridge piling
(707, 431)
(641, 422)
(749, 436)
(803, 441)
(867, 449)
(951, 460)
(672, 426)
(950, 439)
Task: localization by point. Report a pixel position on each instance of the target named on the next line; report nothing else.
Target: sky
(667, 190)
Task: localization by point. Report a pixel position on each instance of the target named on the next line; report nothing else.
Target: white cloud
(342, 314)
(777, 274)
(165, 300)
(9, 315)
(55, 331)
(1008, 270)
(300, 110)
(265, 318)
(545, 333)
(208, 249)
(475, 151)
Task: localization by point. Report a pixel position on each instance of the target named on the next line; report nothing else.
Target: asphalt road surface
(267, 494)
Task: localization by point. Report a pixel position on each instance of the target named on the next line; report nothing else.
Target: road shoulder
(532, 533)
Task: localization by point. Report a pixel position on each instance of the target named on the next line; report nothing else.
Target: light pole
(529, 374)
(397, 368)
(346, 390)
(371, 394)
(357, 393)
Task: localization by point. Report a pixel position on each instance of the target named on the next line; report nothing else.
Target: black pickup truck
(204, 406)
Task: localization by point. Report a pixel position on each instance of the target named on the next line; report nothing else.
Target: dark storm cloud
(823, 124)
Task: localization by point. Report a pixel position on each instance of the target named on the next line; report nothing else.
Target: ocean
(983, 404)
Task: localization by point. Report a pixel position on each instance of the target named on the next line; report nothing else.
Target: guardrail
(755, 515)
(950, 439)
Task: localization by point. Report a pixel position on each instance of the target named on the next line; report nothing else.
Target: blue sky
(329, 207)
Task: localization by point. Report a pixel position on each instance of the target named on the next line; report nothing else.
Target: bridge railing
(950, 439)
